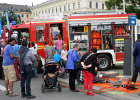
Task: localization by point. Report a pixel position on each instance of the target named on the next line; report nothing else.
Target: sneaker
(87, 93)
(23, 95)
(91, 94)
(132, 86)
(30, 97)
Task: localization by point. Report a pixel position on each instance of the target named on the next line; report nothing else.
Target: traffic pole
(132, 60)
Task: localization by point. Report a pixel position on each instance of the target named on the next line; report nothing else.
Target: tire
(42, 88)
(104, 62)
(59, 87)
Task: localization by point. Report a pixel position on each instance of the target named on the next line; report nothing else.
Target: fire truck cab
(40, 32)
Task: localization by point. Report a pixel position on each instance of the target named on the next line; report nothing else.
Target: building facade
(22, 10)
(62, 6)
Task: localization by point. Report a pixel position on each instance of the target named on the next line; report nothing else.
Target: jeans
(34, 71)
(26, 77)
(58, 51)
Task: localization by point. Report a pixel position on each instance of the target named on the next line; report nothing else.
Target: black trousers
(135, 74)
(1, 69)
(72, 77)
(26, 78)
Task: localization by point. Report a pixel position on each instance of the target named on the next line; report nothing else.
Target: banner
(7, 19)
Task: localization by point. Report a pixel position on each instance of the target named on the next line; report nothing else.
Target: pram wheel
(43, 88)
(59, 87)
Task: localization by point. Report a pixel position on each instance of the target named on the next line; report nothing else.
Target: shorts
(9, 72)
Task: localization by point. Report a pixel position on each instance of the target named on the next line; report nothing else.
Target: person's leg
(23, 75)
(72, 77)
(16, 65)
(5, 69)
(11, 86)
(90, 83)
(85, 81)
(135, 75)
(28, 70)
(6, 86)
(11, 76)
(1, 69)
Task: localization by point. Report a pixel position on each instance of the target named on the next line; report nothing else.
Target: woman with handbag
(90, 66)
(73, 59)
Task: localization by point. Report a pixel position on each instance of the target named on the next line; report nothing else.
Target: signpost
(132, 22)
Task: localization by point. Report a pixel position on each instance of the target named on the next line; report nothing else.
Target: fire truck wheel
(104, 62)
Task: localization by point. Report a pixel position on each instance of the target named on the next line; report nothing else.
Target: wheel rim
(103, 62)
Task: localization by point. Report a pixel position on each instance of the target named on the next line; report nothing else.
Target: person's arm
(61, 54)
(1, 52)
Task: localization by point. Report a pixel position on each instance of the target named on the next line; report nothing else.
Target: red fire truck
(105, 32)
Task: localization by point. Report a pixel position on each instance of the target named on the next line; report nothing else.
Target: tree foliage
(132, 6)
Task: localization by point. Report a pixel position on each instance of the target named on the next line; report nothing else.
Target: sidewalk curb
(123, 96)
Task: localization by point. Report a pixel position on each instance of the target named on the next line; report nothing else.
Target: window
(49, 10)
(56, 10)
(27, 16)
(138, 27)
(39, 34)
(42, 12)
(45, 11)
(73, 6)
(103, 6)
(64, 8)
(79, 4)
(52, 10)
(60, 9)
(36, 14)
(68, 6)
(90, 4)
(22, 15)
(96, 5)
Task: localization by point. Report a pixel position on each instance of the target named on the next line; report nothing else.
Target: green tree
(3, 20)
(132, 6)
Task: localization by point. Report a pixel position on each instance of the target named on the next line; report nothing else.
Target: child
(64, 55)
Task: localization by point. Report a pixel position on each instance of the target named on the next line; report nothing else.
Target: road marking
(2, 88)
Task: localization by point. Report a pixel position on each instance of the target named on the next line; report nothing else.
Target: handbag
(77, 65)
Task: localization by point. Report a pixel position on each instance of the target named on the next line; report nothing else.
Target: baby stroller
(50, 76)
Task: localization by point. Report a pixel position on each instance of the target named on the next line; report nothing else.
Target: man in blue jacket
(136, 53)
(72, 57)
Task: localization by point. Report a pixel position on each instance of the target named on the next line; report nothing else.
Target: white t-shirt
(64, 53)
(34, 51)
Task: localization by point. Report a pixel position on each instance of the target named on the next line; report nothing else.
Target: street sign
(132, 19)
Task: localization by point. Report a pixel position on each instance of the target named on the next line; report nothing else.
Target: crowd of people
(19, 61)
